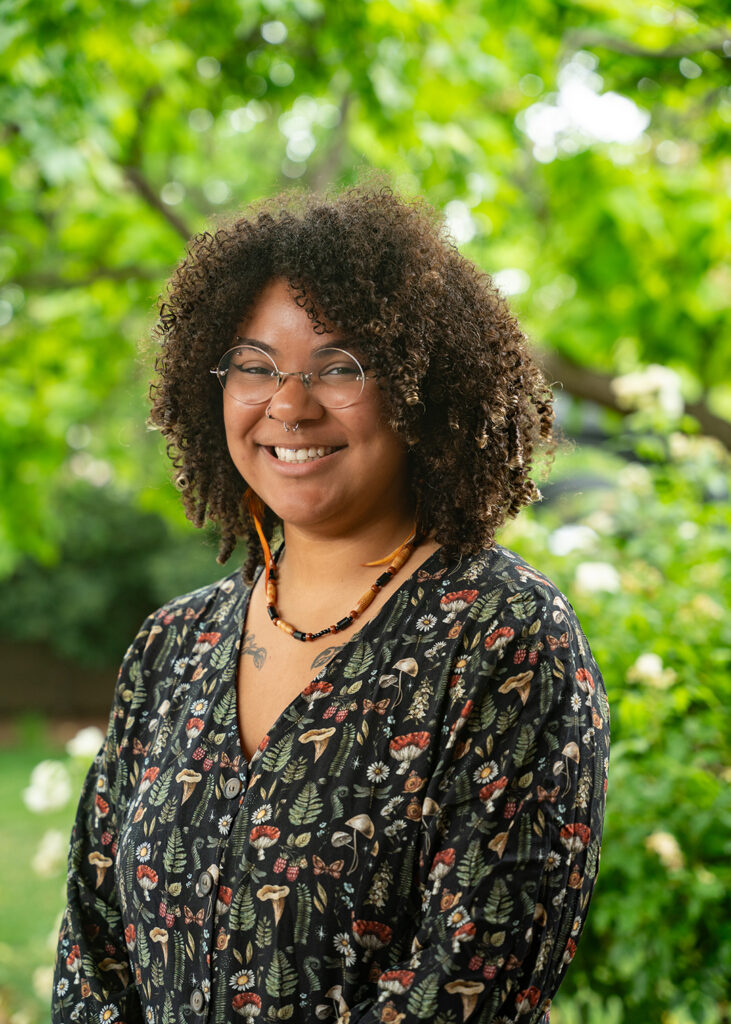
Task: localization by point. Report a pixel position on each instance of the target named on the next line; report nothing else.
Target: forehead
(279, 325)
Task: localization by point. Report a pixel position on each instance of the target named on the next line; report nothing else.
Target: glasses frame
(281, 375)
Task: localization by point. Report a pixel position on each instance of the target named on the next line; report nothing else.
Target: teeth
(301, 454)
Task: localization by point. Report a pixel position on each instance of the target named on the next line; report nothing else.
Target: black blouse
(416, 838)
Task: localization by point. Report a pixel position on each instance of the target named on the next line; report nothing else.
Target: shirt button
(197, 1000)
(205, 883)
(232, 788)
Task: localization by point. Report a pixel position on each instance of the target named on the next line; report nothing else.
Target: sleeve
(93, 981)
(509, 861)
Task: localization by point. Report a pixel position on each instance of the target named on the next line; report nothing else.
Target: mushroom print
(415, 838)
(409, 666)
(406, 749)
(468, 992)
(363, 824)
(457, 602)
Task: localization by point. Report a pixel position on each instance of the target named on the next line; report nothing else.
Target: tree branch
(580, 38)
(144, 189)
(50, 281)
(595, 386)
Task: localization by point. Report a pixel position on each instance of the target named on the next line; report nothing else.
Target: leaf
(500, 903)
(307, 805)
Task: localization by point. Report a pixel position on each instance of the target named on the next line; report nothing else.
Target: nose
(293, 402)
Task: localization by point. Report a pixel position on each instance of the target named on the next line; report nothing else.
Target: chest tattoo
(327, 655)
(257, 652)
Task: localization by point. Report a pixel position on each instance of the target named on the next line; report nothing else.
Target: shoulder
(207, 608)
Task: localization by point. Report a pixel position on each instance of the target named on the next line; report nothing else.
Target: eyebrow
(343, 343)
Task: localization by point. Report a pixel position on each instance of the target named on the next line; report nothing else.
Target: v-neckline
(241, 613)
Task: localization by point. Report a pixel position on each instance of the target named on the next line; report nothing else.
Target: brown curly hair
(458, 382)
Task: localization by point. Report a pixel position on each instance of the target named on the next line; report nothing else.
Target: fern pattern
(421, 850)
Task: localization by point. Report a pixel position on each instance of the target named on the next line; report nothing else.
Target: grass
(30, 905)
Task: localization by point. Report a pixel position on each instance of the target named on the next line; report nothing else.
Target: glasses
(250, 376)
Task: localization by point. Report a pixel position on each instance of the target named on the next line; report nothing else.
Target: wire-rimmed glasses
(249, 375)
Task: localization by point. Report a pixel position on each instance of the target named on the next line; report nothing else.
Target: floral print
(415, 839)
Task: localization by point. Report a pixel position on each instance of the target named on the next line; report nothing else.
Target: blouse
(415, 839)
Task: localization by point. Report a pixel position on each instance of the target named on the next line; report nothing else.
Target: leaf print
(304, 913)
(174, 858)
(487, 712)
(264, 932)
(472, 865)
(281, 979)
(360, 661)
(275, 757)
(307, 807)
(161, 788)
(242, 915)
(222, 653)
(346, 745)
(423, 998)
(295, 770)
(524, 750)
(507, 719)
(225, 711)
(500, 903)
(523, 605)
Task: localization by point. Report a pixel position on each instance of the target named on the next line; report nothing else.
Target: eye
(251, 367)
(340, 369)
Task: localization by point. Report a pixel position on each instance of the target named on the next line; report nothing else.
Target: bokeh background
(579, 152)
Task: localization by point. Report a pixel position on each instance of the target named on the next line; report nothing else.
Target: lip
(300, 468)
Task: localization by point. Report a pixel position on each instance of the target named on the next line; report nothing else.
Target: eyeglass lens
(250, 376)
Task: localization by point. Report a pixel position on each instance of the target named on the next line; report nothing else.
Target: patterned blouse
(416, 838)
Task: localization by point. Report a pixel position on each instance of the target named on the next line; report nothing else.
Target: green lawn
(30, 904)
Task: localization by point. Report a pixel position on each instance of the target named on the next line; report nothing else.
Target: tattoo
(250, 646)
(325, 656)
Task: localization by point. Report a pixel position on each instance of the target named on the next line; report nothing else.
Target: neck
(321, 560)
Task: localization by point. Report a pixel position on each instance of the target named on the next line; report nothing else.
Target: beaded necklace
(398, 559)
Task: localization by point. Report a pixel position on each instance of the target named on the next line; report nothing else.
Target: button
(232, 788)
(197, 1000)
(205, 883)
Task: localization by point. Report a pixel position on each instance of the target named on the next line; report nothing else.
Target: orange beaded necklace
(397, 558)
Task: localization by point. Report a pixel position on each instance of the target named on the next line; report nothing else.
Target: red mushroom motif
(527, 999)
(371, 934)
(262, 837)
(491, 791)
(499, 638)
(147, 878)
(575, 837)
(395, 983)
(585, 679)
(407, 747)
(456, 602)
(441, 865)
(248, 1004)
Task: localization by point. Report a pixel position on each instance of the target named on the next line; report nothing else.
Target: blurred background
(579, 152)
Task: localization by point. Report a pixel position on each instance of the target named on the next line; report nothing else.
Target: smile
(302, 454)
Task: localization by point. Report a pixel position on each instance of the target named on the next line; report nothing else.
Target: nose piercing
(294, 428)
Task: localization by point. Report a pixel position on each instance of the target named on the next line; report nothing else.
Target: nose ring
(294, 428)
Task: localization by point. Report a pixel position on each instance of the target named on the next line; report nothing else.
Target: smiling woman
(363, 778)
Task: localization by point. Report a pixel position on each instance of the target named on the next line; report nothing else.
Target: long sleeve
(510, 857)
(93, 979)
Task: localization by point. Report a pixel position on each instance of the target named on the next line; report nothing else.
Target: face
(362, 476)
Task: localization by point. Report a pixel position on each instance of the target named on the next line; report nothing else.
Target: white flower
(486, 772)
(654, 387)
(50, 787)
(572, 537)
(377, 772)
(594, 577)
(436, 648)
(144, 851)
(86, 742)
(575, 701)
(224, 824)
(198, 707)
(108, 1013)
(648, 668)
(426, 622)
(50, 854)
(666, 846)
(343, 947)
(243, 980)
(62, 987)
(262, 814)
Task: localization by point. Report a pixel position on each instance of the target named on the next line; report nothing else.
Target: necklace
(398, 559)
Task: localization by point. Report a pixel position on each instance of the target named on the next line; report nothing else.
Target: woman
(364, 780)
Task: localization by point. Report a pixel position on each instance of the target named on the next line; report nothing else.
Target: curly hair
(458, 382)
